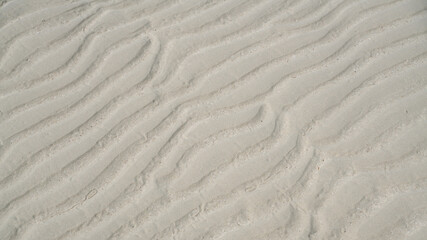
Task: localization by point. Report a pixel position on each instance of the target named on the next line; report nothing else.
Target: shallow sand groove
(213, 119)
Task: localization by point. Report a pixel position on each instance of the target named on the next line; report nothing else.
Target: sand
(213, 119)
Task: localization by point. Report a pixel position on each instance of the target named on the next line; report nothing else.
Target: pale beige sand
(213, 119)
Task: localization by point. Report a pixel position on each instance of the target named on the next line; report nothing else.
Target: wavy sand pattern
(202, 119)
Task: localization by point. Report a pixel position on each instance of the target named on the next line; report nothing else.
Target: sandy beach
(213, 119)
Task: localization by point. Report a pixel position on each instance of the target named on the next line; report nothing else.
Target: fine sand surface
(213, 119)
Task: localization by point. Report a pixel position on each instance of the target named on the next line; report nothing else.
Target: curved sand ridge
(201, 119)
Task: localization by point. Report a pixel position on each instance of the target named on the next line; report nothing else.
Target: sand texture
(213, 119)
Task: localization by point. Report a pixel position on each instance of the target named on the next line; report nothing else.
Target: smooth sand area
(213, 119)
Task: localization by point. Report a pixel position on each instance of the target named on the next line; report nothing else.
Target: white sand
(213, 119)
